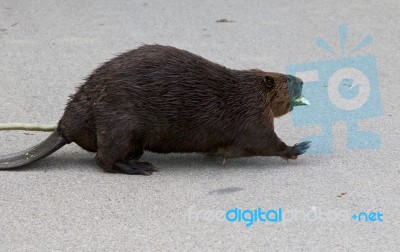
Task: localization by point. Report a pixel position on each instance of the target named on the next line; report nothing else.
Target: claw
(220, 160)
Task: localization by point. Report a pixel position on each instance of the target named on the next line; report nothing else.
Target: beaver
(162, 99)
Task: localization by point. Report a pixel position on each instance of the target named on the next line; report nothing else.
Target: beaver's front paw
(302, 147)
(297, 150)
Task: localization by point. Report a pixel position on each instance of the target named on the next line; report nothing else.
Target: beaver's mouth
(300, 101)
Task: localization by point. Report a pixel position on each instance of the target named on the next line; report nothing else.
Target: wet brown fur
(162, 99)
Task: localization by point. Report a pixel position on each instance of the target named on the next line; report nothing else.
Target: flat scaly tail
(54, 142)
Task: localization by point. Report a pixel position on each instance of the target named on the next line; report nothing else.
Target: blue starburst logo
(341, 89)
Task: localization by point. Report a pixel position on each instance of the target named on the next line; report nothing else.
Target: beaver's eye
(269, 82)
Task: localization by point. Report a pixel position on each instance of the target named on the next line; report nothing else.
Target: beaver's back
(169, 99)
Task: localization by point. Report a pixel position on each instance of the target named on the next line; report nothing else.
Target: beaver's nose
(299, 81)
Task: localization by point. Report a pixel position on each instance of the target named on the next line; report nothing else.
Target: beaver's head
(284, 92)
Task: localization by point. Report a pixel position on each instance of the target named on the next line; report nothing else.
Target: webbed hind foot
(135, 168)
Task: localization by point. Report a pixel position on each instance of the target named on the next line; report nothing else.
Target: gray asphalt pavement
(65, 202)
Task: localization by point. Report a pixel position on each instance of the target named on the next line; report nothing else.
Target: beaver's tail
(54, 142)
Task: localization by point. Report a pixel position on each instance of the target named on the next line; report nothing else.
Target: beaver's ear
(269, 81)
